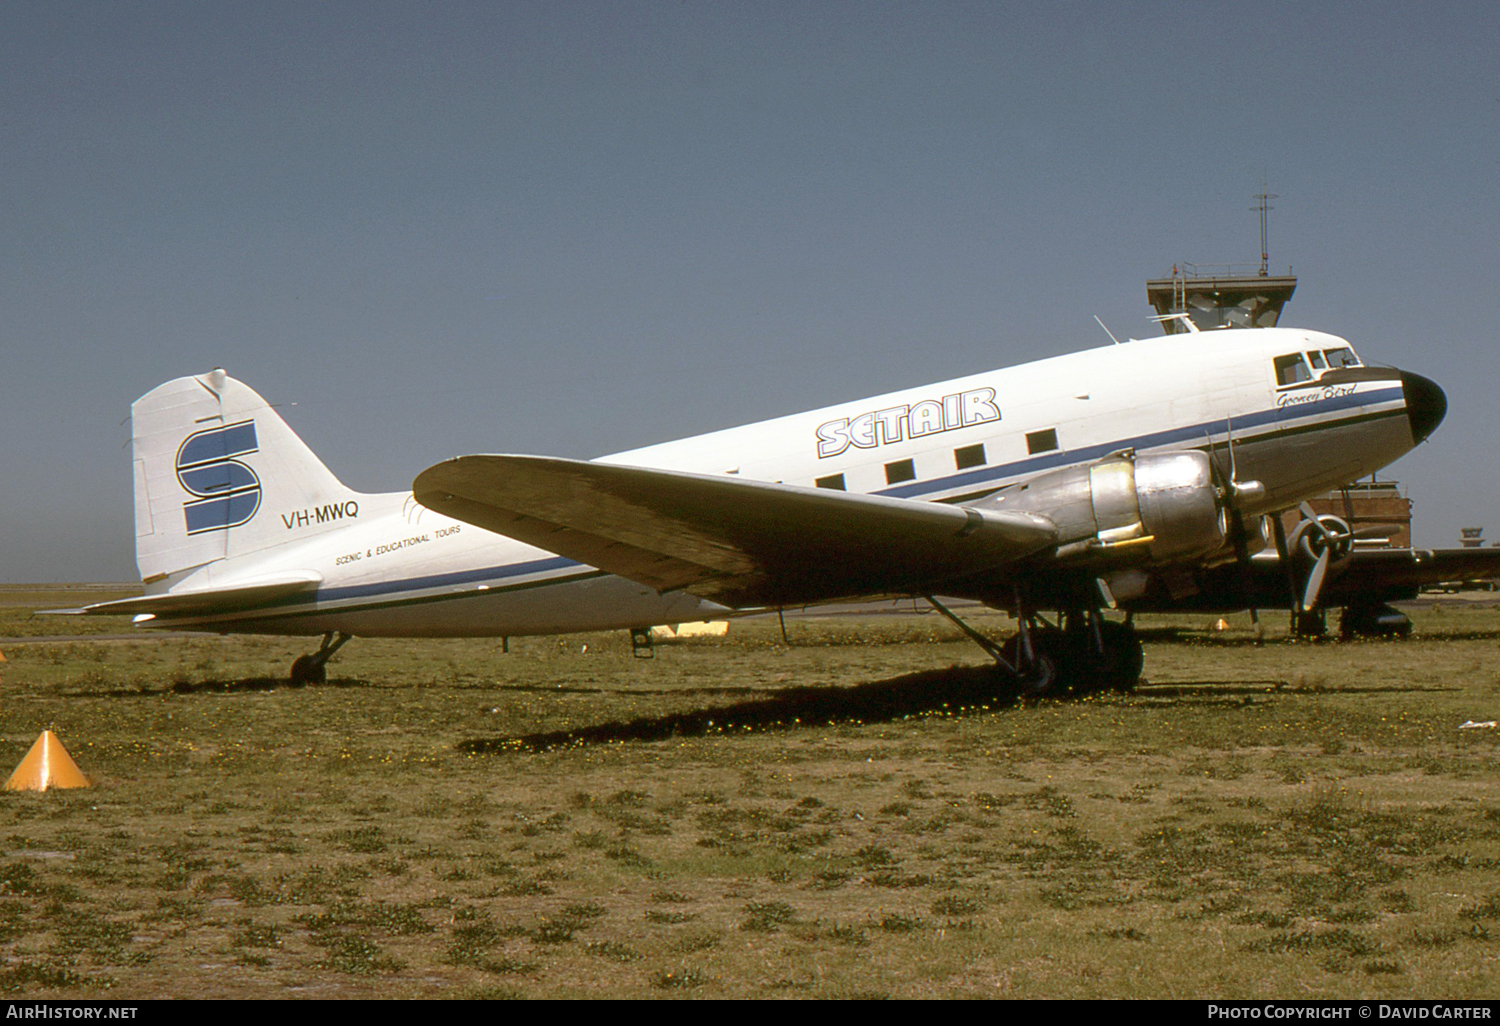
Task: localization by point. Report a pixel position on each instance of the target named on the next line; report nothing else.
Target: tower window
(834, 481)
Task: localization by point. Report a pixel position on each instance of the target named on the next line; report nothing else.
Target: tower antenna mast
(1261, 204)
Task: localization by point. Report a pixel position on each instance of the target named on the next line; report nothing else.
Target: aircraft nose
(1426, 405)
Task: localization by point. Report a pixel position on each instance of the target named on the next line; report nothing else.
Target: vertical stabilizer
(219, 474)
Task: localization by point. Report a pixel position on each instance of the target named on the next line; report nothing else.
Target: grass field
(858, 814)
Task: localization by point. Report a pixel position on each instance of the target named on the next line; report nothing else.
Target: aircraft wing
(739, 542)
(1390, 569)
(1364, 577)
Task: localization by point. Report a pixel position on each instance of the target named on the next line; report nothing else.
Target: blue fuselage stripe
(489, 573)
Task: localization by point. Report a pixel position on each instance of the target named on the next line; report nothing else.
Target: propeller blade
(1312, 520)
(1215, 471)
(1241, 555)
(1315, 580)
(1241, 539)
(1278, 531)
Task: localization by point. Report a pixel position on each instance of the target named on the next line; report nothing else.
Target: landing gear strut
(313, 668)
(1080, 654)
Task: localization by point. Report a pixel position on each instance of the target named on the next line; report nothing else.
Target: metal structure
(1219, 296)
(1224, 295)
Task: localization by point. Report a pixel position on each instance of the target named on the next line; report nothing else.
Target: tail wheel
(308, 669)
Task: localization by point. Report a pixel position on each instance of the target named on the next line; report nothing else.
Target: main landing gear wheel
(1069, 662)
(1118, 667)
(313, 667)
(1045, 676)
(1081, 653)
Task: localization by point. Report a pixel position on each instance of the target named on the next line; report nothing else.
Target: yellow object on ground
(710, 629)
(48, 764)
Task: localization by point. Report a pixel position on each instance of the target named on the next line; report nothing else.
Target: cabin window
(834, 481)
(1291, 369)
(969, 456)
(1316, 359)
(901, 470)
(1041, 441)
(1341, 358)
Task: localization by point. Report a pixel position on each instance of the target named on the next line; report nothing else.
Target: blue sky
(573, 228)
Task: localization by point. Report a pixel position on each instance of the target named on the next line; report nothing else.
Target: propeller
(1326, 540)
(1322, 550)
(1235, 495)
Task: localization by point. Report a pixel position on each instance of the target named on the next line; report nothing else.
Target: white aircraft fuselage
(313, 558)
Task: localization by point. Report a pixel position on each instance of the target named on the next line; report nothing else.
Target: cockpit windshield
(1295, 368)
(1291, 369)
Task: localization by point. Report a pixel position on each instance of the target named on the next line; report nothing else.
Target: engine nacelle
(1127, 508)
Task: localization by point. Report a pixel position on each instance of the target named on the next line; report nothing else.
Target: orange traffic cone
(48, 764)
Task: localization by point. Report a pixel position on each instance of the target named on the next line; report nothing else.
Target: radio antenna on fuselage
(1187, 322)
(1107, 331)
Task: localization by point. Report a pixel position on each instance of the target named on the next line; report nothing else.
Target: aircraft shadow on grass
(929, 693)
(243, 686)
(249, 684)
(953, 691)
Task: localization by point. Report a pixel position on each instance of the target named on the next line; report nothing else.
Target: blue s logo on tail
(228, 492)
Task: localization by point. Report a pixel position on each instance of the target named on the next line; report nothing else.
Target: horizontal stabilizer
(245, 594)
(742, 543)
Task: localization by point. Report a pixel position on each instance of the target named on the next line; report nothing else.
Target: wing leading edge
(742, 543)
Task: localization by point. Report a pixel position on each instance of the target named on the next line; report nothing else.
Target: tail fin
(219, 474)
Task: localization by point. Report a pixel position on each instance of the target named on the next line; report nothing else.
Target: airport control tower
(1223, 295)
(1219, 296)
